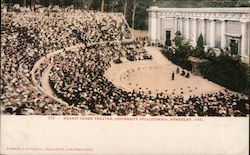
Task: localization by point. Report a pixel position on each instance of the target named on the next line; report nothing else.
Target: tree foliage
(179, 39)
(228, 72)
(225, 70)
(199, 49)
(233, 48)
(182, 50)
(136, 16)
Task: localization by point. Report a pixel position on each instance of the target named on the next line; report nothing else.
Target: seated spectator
(177, 70)
(183, 73)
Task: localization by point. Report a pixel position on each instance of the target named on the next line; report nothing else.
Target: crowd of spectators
(26, 36)
(78, 76)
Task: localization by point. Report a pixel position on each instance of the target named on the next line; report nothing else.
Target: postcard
(125, 77)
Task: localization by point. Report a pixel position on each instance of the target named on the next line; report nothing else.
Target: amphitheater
(140, 86)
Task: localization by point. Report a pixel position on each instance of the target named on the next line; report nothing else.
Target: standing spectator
(173, 76)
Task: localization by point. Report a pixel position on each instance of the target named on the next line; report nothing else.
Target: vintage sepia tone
(125, 77)
(91, 58)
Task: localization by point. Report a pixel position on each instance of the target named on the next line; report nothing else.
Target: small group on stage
(183, 73)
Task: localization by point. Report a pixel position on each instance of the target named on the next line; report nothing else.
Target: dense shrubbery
(226, 69)
(179, 58)
(229, 72)
(180, 53)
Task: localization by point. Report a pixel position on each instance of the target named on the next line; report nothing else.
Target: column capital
(192, 17)
(211, 19)
(152, 14)
(222, 19)
(244, 21)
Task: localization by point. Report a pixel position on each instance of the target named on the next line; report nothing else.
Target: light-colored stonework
(219, 26)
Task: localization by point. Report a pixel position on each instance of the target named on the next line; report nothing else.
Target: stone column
(153, 26)
(158, 27)
(161, 33)
(212, 33)
(244, 38)
(149, 24)
(181, 26)
(187, 29)
(194, 31)
(223, 34)
(175, 25)
(203, 29)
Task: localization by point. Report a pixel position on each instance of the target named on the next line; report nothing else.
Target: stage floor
(156, 76)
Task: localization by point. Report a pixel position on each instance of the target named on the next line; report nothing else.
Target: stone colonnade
(212, 31)
(192, 22)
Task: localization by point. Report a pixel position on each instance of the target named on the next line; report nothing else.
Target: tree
(234, 48)
(87, 4)
(125, 8)
(179, 39)
(112, 5)
(137, 14)
(200, 43)
(102, 5)
(199, 50)
(135, 4)
(32, 4)
(24, 3)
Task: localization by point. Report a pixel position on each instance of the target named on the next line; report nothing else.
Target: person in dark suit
(173, 76)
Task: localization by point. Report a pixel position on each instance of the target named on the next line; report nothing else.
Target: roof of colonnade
(232, 14)
(201, 10)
